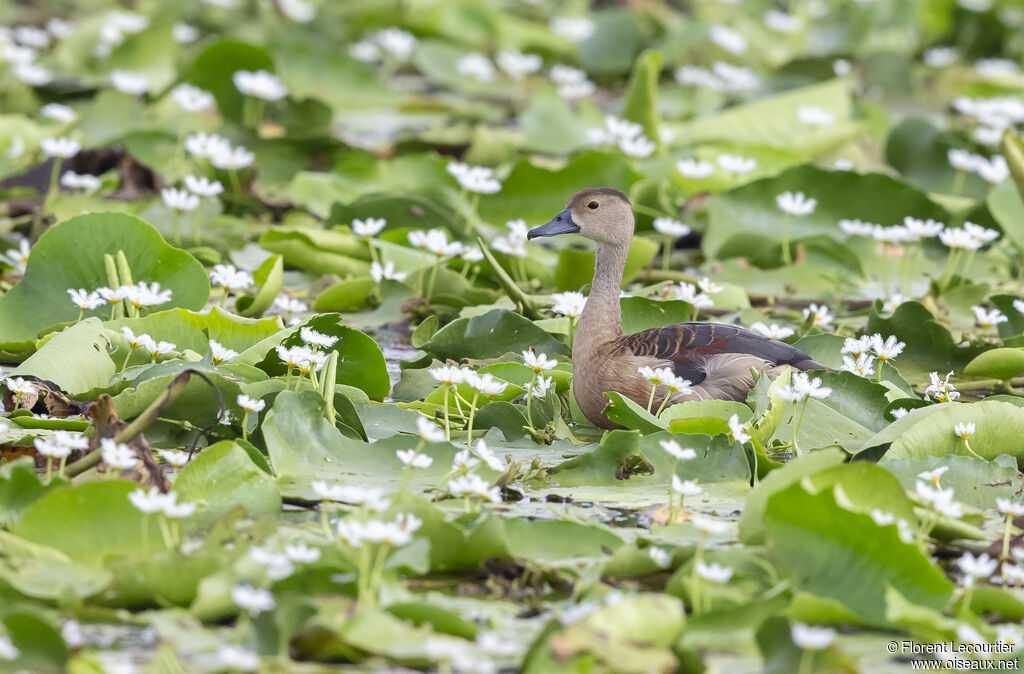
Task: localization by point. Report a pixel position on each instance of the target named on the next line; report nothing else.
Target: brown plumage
(716, 358)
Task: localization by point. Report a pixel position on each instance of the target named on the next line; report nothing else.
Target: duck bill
(562, 224)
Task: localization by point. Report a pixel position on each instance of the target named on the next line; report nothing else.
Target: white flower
(819, 315)
(803, 387)
(941, 389)
(736, 164)
(128, 82)
(962, 160)
(982, 234)
(569, 303)
(289, 305)
(728, 39)
(18, 258)
(812, 638)
(863, 366)
(259, 84)
(1014, 573)
(699, 77)
(1009, 634)
(709, 526)
(229, 278)
(475, 487)
(886, 349)
(959, 238)
(61, 148)
(203, 186)
(472, 255)
(964, 430)
(148, 500)
(735, 79)
(176, 510)
(538, 362)
(316, 339)
(857, 227)
(842, 164)
(571, 83)
(670, 227)
(230, 159)
(478, 179)
(677, 452)
(714, 572)
(251, 405)
(539, 388)
(572, 28)
(974, 568)
(922, 229)
(899, 412)
(933, 476)
(78, 181)
(237, 657)
(192, 99)
(709, 286)
(772, 331)
(517, 64)
(987, 318)
(782, 22)
(179, 200)
(814, 116)
(184, 33)
(219, 353)
(277, 565)
(155, 348)
(365, 51)
(428, 431)
(486, 384)
(464, 461)
(487, 456)
(396, 42)
(297, 10)
(1018, 306)
(368, 227)
(638, 147)
(32, 36)
(410, 457)
(17, 55)
(659, 556)
(882, 518)
(695, 169)
(85, 300)
(8, 651)
(994, 170)
(449, 375)
(688, 293)
(117, 455)
(58, 113)
(175, 458)
(252, 599)
(686, 487)
(141, 295)
(1010, 508)
(795, 203)
(19, 386)
(205, 146)
(477, 66)
(33, 74)
(736, 429)
(387, 271)
(435, 241)
(51, 448)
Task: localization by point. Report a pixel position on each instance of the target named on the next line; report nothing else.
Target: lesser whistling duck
(716, 358)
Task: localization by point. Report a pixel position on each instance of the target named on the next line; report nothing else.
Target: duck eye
(593, 205)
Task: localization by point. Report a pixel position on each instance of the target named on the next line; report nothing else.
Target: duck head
(601, 214)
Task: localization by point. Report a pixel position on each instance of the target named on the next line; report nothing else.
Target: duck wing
(690, 345)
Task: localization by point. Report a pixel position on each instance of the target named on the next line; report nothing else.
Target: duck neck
(601, 320)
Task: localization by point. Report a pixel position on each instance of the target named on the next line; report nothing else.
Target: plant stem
(177, 227)
(698, 556)
(671, 495)
(49, 467)
(431, 281)
(796, 425)
(447, 421)
(958, 182)
(127, 357)
(324, 522)
(650, 401)
(967, 444)
(529, 408)
(472, 412)
(787, 258)
(666, 252)
(245, 425)
(54, 180)
(806, 661)
(572, 331)
(951, 264)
